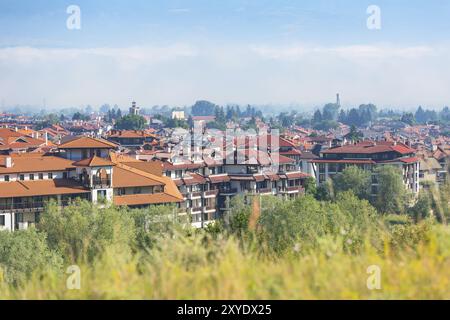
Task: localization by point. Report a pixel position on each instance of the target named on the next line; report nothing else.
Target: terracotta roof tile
(83, 142)
(94, 161)
(40, 188)
(35, 162)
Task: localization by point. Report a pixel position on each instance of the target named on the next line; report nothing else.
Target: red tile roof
(349, 161)
(40, 188)
(370, 147)
(94, 161)
(83, 142)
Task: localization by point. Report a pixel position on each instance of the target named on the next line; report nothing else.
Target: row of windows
(32, 176)
(138, 190)
(212, 171)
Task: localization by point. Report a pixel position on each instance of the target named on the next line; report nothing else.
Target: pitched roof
(83, 142)
(124, 176)
(11, 139)
(130, 134)
(429, 164)
(94, 161)
(371, 147)
(40, 188)
(144, 199)
(35, 162)
(219, 178)
(349, 161)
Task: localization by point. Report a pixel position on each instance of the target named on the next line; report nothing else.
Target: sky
(260, 52)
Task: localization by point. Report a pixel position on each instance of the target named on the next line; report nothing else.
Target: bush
(23, 253)
(82, 231)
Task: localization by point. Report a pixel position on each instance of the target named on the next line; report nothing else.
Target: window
(50, 175)
(22, 177)
(41, 176)
(64, 175)
(2, 221)
(31, 176)
(6, 178)
(137, 190)
(121, 191)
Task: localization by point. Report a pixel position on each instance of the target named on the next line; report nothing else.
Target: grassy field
(184, 264)
(185, 270)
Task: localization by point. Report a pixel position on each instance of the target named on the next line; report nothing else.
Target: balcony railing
(101, 183)
(193, 195)
(264, 190)
(210, 193)
(295, 189)
(195, 210)
(32, 206)
(228, 190)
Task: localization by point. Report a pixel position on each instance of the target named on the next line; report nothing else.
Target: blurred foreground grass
(185, 270)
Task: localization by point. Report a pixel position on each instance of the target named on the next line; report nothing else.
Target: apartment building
(208, 184)
(85, 168)
(16, 141)
(133, 139)
(369, 155)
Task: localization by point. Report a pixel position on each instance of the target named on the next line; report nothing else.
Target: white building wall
(8, 221)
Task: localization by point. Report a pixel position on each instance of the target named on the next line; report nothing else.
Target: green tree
(130, 122)
(310, 186)
(325, 191)
(408, 118)
(391, 193)
(23, 253)
(82, 231)
(353, 179)
(422, 208)
(354, 134)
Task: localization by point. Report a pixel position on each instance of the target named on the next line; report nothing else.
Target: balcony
(195, 210)
(210, 193)
(294, 189)
(101, 183)
(194, 195)
(209, 209)
(228, 191)
(28, 207)
(264, 191)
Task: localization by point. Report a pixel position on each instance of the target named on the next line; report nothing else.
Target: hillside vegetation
(271, 249)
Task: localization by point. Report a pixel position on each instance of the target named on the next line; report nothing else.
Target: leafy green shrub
(23, 253)
(82, 231)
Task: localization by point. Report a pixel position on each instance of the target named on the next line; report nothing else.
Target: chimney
(46, 138)
(8, 162)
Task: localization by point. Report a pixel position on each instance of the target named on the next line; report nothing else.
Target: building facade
(369, 155)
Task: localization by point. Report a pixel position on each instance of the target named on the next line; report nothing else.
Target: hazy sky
(226, 51)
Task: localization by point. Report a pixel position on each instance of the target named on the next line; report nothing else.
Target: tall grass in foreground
(302, 249)
(185, 269)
